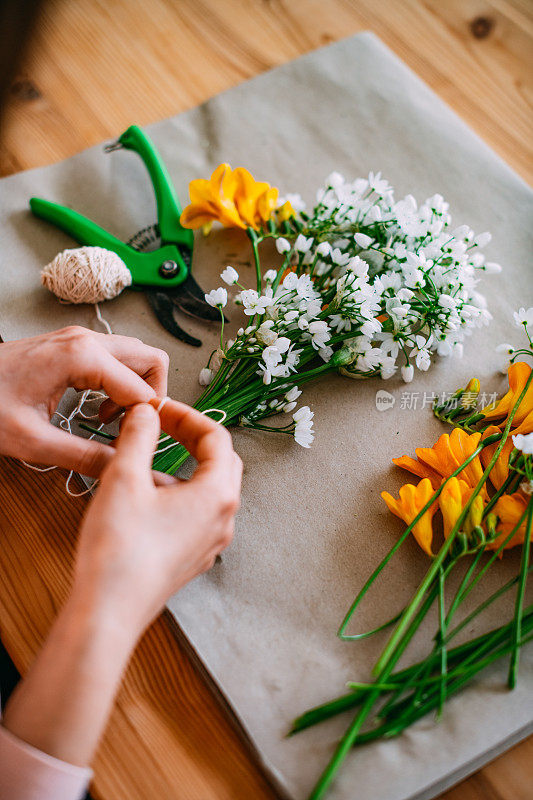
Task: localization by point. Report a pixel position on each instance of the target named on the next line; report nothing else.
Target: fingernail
(142, 409)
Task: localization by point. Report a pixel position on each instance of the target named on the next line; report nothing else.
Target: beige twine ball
(86, 275)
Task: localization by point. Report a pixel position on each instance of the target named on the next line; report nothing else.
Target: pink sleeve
(28, 774)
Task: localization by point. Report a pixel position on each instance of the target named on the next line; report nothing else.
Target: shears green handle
(144, 267)
(168, 206)
(163, 267)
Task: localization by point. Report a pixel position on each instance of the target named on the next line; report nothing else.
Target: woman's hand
(35, 373)
(140, 543)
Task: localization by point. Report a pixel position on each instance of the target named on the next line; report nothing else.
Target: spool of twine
(86, 275)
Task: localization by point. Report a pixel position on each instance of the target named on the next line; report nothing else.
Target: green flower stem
(433, 570)
(424, 669)
(517, 625)
(403, 537)
(368, 703)
(505, 485)
(350, 700)
(495, 639)
(96, 432)
(281, 270)
(252, 235)
(462, 586)
(483, 605)
(442, 643)
(396, 726)
(493, 558)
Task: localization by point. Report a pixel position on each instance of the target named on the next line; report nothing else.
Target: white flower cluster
(416, 288)
(389, 284)
(523, 319)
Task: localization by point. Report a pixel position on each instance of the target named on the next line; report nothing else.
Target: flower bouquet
(366, 286)
(478, 480)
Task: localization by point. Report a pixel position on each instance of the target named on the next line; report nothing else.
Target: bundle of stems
(367, 285)
(398, 698)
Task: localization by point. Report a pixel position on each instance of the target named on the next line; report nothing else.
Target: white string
(218, 411)
(65, 423)
(101, 319)
(161, 404)
(165, 438)
(87, 397)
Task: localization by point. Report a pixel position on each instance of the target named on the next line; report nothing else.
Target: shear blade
(163, 307)
(190, 299)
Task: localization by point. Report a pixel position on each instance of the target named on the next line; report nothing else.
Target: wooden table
(97, 66)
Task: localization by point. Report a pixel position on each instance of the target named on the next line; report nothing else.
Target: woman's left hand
(35, 373)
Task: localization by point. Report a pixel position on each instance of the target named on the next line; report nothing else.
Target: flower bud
(492, 521)
(344, 356)
(475, 514)
(477, 537)
(470, 395)
(205, 377)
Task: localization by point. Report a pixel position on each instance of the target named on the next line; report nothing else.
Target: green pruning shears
(163, 272)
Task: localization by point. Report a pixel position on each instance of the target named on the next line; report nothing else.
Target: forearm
(62, 705)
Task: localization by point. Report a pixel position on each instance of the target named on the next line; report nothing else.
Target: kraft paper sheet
(312, 524)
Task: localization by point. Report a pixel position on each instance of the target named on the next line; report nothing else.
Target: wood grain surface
(95, 67)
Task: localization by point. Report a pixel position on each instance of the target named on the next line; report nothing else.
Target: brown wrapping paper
(312, 524)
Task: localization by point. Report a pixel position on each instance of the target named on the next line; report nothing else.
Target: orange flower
(233, 198)
(411, 501)
(455, 493)
(509, 508)
(526, 426)
(445, 457)
(518, 374)
(500, 471)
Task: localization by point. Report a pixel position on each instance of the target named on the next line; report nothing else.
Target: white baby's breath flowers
(408, 373)
(363, 240)
(303, 426)
(507, 350)
(217, 297)
(282, 245)
(303, 244)
(205, 377)
(229, 275)
(524, 317)
(254, 303)
(366, 283)
(524, 442)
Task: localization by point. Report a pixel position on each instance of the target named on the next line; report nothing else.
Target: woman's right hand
(140, 543)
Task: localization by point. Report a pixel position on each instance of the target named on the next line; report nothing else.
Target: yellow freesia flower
(418, 468)
(446, 455)
(518, 374)
(526, 426)
(452, 500)
(500, 471)
(509, 508)
(411, 501)
(233, 198)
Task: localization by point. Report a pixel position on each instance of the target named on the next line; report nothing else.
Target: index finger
(205, 439)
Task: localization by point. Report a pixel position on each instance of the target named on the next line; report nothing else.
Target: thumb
(138, 439)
